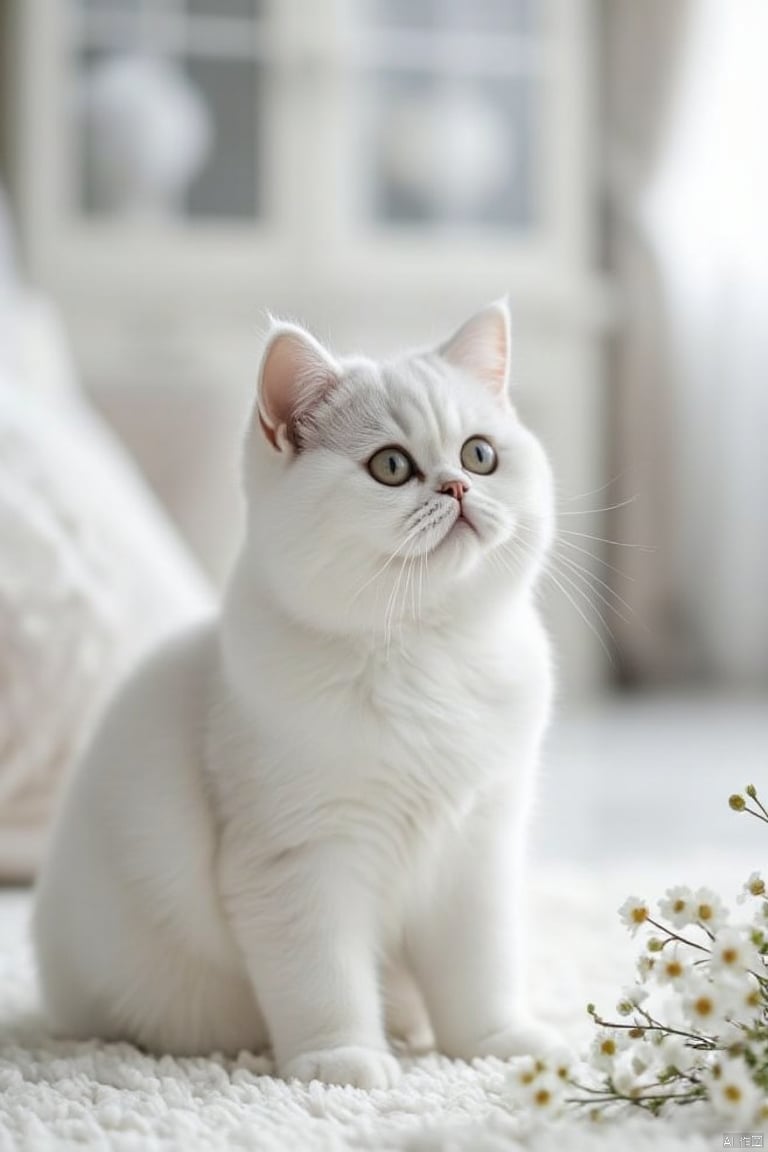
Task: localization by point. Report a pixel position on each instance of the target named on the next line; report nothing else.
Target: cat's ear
(296, 373)
(481, 347)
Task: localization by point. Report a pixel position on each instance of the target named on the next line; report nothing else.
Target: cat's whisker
(393, 596)
(388, 615)
(592, 596)
(594, 556)
(595, 631)
(607, 508)
(391, 605)
(511, 559)
(507, 568)
(563, 581)
(596, 491)
(603, 540)
(423, 579)
(593, 577)
(409, 591)
(419, 585)
(590, 579)
(414, 589)
(579, 573)
(409, 537)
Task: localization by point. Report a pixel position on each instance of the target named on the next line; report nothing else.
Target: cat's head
(381, 492)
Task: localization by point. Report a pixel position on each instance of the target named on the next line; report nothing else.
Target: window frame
(315, 236)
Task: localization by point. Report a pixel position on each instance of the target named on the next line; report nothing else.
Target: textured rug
(110, 1096)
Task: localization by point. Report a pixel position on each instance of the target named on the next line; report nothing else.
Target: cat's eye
(391, 466)
(478, 455)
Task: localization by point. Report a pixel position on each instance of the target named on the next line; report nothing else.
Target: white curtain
(706, 216)
(643, 46)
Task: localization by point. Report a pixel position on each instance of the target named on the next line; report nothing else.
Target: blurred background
(378, 169)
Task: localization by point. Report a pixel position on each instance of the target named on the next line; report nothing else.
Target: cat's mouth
(461, 526)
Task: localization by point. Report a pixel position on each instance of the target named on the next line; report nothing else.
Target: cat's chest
(421, 734)
(438, 696)
(441, 712)
(447, 710)
(388, 750)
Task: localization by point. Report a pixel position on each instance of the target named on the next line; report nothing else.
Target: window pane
(144, 133)
(493, 16)
(110, 23)
(227, 185)
(450, 151)
(242, 9)
(123, 7)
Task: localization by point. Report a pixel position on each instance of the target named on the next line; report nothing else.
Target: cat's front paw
(356, 1066)
(524, 1036)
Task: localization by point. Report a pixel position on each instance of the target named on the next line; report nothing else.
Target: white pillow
(91, 571)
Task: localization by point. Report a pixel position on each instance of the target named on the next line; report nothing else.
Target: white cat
(303, 823)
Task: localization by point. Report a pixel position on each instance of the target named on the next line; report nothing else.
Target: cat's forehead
(421, 400)
(418, 402)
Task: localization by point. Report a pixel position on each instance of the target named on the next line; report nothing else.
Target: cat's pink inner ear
(481, 347)
(296, 372)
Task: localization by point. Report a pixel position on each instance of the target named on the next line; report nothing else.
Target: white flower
(645, 965)
(709, 909)
(626, 1081)
(748, 1000)
(606, 1046)
(546, 1092)
(678, 906)
(707, 1004)
(733, 951)
(733, 1092)
(672, 967)
(631, 998)
(644, 1056)
(760, 916)
(524, 1071)
(561, 1062)
(534, 1085)
(754, 886)
(675, 1053)
(633, 913)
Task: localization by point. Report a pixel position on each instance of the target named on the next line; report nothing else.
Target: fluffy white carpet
(61, 1095)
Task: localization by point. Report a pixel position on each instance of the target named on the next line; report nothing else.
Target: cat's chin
(463, 524)
(462, 534)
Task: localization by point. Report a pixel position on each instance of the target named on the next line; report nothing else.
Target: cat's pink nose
(456, 488)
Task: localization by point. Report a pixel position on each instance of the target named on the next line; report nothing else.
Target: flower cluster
(541, 1086)
(693, 1026)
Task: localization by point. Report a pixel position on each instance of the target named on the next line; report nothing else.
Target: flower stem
(762, 807)
(615, 1097)
(675, 936)
(701, 1041)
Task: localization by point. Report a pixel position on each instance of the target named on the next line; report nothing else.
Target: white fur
(305, 820)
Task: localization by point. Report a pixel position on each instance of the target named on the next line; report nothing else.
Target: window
(178, 101)
(169, 105)
(447, 111)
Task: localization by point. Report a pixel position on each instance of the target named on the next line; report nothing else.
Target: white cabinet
(377, 168)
